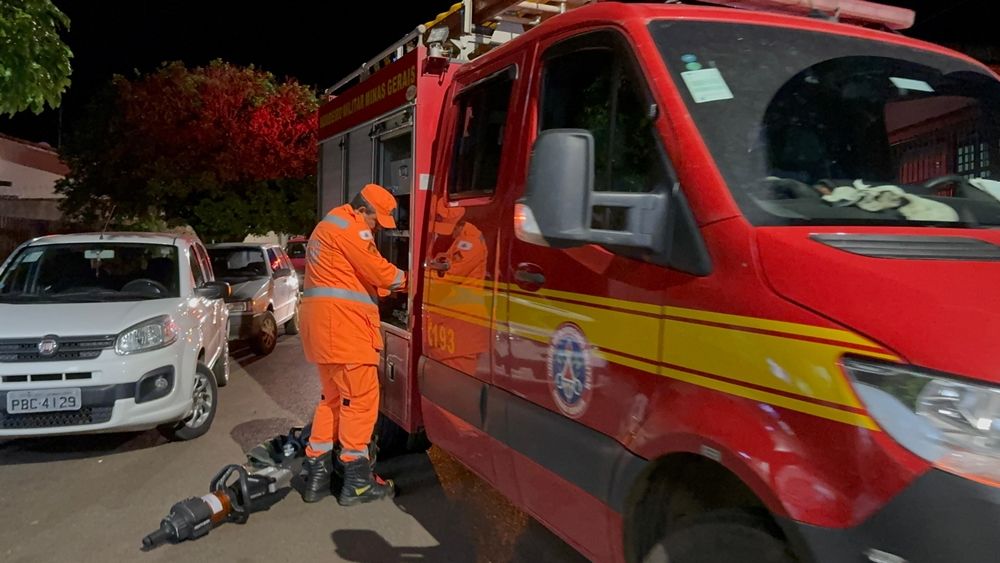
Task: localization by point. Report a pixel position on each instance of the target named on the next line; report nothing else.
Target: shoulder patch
(365, 235)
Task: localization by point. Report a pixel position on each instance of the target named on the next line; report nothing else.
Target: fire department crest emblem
(569, 370)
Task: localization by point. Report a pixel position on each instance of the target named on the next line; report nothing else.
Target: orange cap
(446, 217)
(382, 202)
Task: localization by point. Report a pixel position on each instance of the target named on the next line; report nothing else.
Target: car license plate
(44, 400)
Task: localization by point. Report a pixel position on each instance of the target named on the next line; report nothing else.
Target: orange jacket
(344, 275)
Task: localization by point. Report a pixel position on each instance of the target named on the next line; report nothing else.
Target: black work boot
(317, 477)
(361, 485)
(338, 465)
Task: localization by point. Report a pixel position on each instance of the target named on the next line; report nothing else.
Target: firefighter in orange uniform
(345, 276)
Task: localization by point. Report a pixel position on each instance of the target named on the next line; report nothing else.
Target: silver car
(265, 292)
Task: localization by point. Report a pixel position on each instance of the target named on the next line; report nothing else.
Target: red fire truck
(693, 283)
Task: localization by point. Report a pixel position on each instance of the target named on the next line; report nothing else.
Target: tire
(393, 441)
(722, 536)
(292, 324)
(221, 367)
(200, 420)
(266, 339)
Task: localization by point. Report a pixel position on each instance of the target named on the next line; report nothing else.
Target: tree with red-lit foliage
(228, 150)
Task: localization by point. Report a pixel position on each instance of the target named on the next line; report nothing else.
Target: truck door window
(589, 82)
(482, 114)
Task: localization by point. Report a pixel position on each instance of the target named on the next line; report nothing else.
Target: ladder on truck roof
(471, 28)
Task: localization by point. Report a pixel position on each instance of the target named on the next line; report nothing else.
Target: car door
(205, 310)
(201, 307)
(460, 253)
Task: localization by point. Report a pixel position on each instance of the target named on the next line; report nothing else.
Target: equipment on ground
(236, 491)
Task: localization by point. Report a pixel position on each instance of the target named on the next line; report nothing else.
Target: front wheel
(265, 341)
(205, 402)
(722, 536)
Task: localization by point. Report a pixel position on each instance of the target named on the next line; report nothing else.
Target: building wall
(29, 204)
(27, 182)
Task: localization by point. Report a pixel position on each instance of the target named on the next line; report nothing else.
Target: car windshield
(89, 272)
(296, 249)
(839, 130)
(231, 264)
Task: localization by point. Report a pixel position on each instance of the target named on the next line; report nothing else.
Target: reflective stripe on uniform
(338, 221)
(398, 281)
(321, 446)
(339, 293)
(354, 453)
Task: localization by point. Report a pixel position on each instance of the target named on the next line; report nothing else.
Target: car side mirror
(559, 202)
(214, 290)
(282, 272)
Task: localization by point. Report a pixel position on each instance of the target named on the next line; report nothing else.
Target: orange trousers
(347, 410)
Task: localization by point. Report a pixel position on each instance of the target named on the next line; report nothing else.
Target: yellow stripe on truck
(785, 364)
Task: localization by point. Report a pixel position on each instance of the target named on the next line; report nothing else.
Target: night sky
(317, 42)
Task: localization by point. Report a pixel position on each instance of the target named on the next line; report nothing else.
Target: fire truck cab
(693, 283)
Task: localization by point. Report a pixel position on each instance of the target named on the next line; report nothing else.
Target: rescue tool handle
(240, 500)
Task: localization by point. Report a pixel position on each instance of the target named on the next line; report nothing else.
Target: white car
(111, 332)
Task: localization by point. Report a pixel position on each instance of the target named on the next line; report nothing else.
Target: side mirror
(559, 202)
(214, 290)
(282, 272)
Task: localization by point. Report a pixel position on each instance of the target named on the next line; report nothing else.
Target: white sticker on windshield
(911, 84)
(32, 256)
(707, 85)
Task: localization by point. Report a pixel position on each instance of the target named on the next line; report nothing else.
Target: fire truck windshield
(812, 128)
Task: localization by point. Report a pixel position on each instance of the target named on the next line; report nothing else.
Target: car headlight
(239, 306)
(148, 335)
(952, 423)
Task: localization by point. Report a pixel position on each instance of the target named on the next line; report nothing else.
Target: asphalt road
(93, 498)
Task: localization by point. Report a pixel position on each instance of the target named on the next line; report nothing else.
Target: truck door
(584, 323)
(460, 262)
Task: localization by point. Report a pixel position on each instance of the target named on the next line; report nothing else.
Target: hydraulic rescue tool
(235, 492)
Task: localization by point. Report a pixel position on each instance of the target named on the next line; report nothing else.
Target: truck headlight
(148, 335)
(239, 306)
(952, 423)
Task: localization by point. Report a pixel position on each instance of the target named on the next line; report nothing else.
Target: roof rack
(471, 28)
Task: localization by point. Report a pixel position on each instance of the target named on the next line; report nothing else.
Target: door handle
(437, 265)
(529, 276)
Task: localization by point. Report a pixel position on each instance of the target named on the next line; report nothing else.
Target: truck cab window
(482, 114)
(592, 85)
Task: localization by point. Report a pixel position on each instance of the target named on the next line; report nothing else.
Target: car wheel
(206, 402)
(221, 367)
(722, 536)
(292, 325)
(265, 341)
